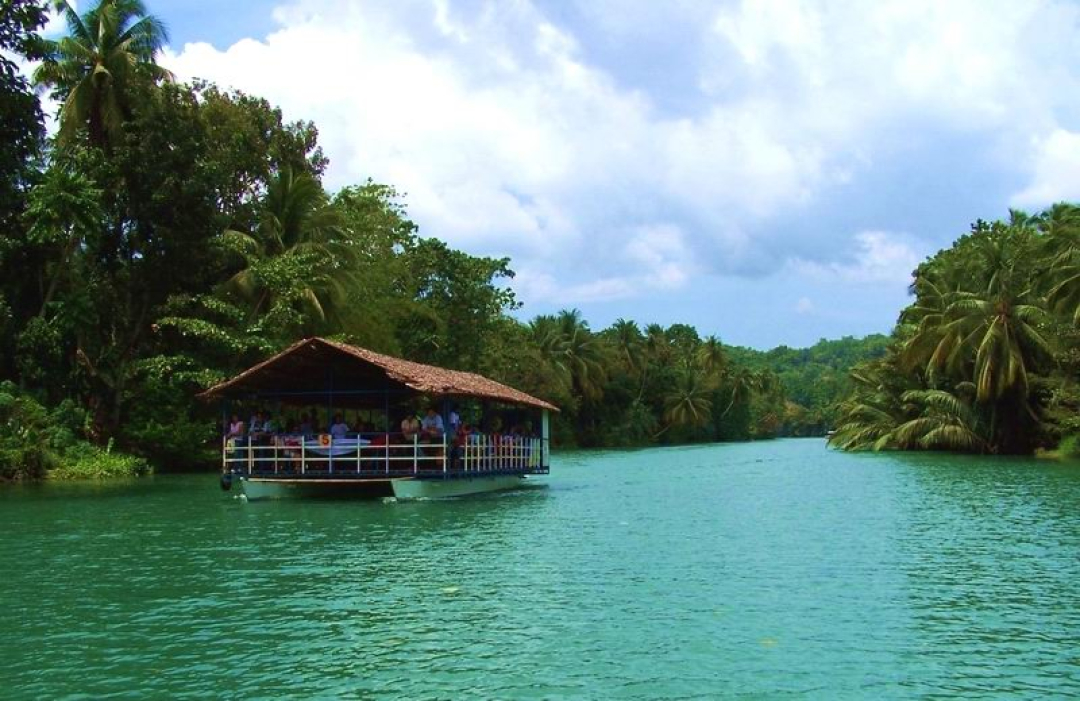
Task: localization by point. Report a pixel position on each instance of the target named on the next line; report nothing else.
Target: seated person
(339, 428)
(410, 428)
(307, 427)
(235, 428)
(431, 428)
(460, 442)
(255, 425)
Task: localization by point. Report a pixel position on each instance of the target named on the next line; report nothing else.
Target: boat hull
(456, 487)
(255, 488)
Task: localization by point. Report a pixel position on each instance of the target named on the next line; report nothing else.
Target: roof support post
(545, 437)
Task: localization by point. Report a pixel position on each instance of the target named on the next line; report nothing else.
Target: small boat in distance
(317, 375)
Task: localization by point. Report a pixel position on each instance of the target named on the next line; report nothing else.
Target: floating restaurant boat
(334, 377)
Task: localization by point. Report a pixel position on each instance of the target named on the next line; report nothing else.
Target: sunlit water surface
(763, 570)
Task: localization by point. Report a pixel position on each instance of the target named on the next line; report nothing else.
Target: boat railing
(382, 455)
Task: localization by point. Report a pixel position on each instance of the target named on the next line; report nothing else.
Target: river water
(766, 570)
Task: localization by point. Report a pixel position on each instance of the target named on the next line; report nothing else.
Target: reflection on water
(766, 569)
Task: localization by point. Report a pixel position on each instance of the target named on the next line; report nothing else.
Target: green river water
(765, 570)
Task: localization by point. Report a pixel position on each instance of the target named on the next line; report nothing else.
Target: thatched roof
(315, 366)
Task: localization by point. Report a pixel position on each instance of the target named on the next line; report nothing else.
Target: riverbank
(38, 443)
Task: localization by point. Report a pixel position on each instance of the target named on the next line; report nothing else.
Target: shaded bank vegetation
(986, 357)
(171, 234)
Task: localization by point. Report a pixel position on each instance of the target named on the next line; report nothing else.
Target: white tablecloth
(338, 447)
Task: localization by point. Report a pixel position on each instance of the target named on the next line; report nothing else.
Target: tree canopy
(172, 234)
(984, 359)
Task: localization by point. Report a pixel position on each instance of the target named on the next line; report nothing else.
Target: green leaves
(93, 70)
(983, 324)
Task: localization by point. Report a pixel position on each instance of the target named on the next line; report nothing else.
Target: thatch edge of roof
(382, 361)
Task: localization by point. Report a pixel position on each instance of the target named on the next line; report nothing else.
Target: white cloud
(876, 257)
(1056, 175)
(646, 260)
(804, 305)
(510, 139)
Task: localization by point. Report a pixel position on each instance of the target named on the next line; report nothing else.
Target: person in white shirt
(431, 428)
(339, 428)
(455, 424)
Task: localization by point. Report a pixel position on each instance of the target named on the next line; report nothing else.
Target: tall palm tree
(711, 357)
(687, 403)
(1001, 332)
(550, 346)
(741, 384)
(299, 252)
(1061, 228)
(657, 344)
(628, 343)
(94, 68)
(927, 318)
(582, 354)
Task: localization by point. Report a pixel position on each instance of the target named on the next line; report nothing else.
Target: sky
(770, 171)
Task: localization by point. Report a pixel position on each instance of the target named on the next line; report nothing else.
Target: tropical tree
(740, 383)
(1061, 245)
(582, 354)
(63, 210)
(92, 70)
(628, 341)
(945, 422)
(870, 415)
(297, 261)
(1002, 331)
(688, 402)
(711, 356)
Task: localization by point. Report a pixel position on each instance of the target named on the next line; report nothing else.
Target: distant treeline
(172, 234)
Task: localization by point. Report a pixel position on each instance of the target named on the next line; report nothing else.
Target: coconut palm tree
(1061, 228)
(1000, 332)
(874, 409)
(628, 343)
(582, 354)
(945, 422)
(94, 68)
(658, 345)
(550, 345)
(929, 341)
(711, 357)
(741, 384)
(688, 401)
(299, 253)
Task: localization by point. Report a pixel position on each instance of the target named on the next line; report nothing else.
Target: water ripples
(774, 569)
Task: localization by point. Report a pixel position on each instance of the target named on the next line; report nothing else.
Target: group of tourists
(431, 432)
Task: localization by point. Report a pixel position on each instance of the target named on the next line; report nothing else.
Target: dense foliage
(173, 234)
(986, 357)
(815, 379)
